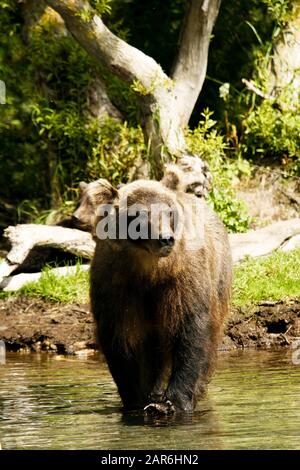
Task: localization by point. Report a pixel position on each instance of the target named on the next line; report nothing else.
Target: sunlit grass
(275, 277)
(70, 288)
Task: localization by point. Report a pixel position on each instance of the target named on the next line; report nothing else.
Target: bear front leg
(154, 367)
(125, 372)
(125, 369)
(191, 361)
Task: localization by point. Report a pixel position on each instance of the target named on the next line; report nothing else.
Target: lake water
(49, 402)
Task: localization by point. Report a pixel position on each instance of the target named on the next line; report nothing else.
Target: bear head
(142, 215)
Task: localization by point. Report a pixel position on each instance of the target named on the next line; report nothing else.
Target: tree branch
(252, 87)
(122, 59)
(191, 64)
(266, 96)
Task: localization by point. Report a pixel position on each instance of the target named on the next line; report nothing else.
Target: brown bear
(83, 216)
(159, 300)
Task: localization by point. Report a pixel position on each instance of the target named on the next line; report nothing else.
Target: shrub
(206, 142)
(273, 133)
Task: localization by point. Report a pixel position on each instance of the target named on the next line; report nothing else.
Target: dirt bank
(34, 324)
(28, 324)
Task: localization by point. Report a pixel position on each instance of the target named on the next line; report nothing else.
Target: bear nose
(166, 240)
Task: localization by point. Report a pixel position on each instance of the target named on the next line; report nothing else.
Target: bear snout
(165, 244)
(166, 240)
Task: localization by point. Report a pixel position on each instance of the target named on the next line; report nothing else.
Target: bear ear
(102, 192)
(173, 178)
(82, 186)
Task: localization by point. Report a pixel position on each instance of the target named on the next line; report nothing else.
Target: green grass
(276, 277)
(65, 289)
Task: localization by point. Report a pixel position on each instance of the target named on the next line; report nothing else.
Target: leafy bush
(45, 127)
(117, 148)
(272, 132)
(206, 142)
(256, 128)
(89, 149)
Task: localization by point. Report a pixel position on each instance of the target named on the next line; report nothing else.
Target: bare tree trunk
(166, 102)
(191, 64)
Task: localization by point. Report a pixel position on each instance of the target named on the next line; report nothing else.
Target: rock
(83, 353)
(37, 346)
(79, 345)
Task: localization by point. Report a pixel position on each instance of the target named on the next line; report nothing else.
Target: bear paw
(160, 409)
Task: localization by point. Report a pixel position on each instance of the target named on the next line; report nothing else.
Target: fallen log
(291, 243)
(25, 238)
(279, 235)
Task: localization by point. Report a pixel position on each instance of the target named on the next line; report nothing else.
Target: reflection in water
(45, 403)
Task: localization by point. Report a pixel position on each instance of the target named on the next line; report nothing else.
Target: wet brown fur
(136, 295)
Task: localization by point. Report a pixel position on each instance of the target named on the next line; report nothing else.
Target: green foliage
(241, 47)
(139, 88)
(71, 288)
(280, 10)
(117, 148)
(232, 211)
(233, 50)
(274, 133)
(30, 211)
(206, 142)
(276, 277)
(270, 127)
(101, 6)
(49, 141)
(46, 128)
(255, 129)
(90, 149)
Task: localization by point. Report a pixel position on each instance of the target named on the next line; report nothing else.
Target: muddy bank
(36, 325)
(265, 325)
(28, 324)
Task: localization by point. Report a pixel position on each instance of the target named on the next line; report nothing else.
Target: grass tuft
(65, 289)
(275, 277)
